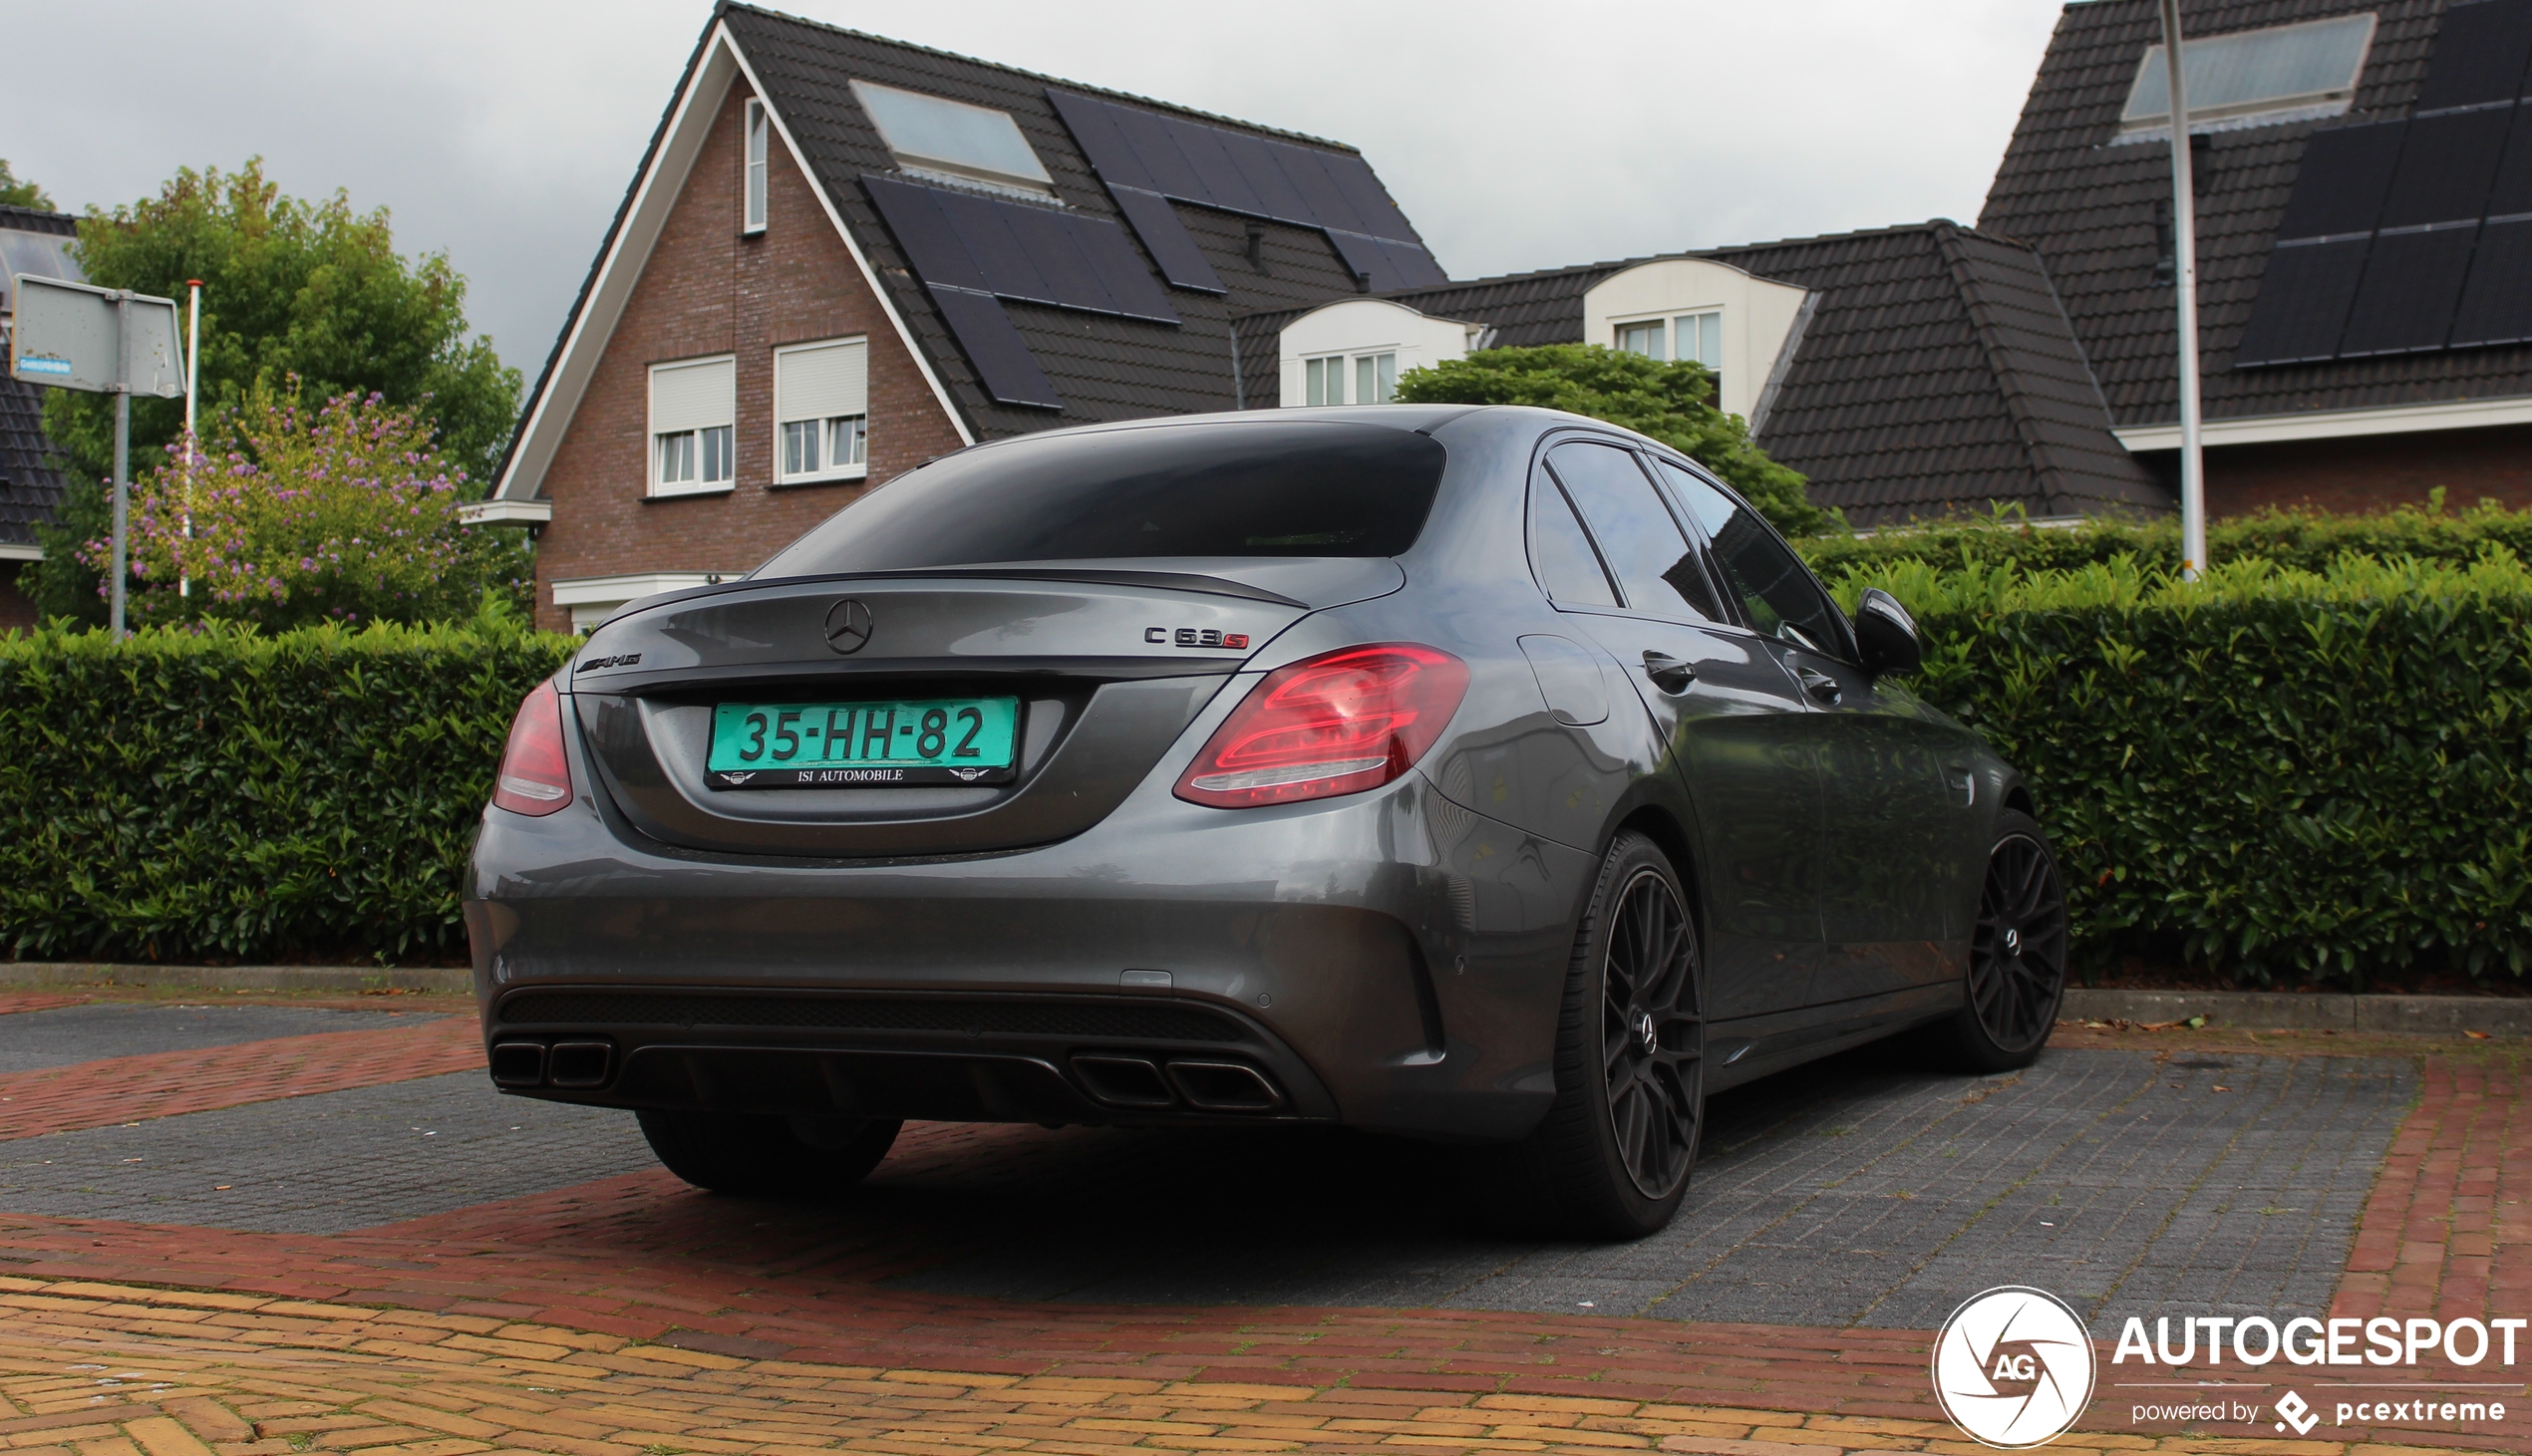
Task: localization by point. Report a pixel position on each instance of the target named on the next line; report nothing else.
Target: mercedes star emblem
(848, 625)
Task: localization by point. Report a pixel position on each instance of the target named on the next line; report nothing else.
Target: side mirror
(1886, 633)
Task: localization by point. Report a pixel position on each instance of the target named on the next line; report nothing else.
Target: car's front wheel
(2017, 953)
(738, 1152)
(1612, 1158)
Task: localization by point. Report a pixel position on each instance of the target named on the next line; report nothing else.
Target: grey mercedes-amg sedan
(1479, 774)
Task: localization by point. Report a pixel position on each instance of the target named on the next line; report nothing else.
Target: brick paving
(94, 1370)
(91, 1030)
(102, 1093)
(38, 1000)
(2448, 1230)
(834, 1337)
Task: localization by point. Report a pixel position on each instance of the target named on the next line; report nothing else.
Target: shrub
(2308, 539)
(1672, 401)
(345, 513)
(2296, 774)
(219, 793)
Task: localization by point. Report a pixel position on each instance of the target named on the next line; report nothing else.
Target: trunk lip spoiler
(1184, 581)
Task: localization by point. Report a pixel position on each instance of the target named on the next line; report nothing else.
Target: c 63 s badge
(1196, 637)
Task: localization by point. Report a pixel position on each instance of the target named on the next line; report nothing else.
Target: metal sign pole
(122, 457)
(192, 442)
(2184, 231)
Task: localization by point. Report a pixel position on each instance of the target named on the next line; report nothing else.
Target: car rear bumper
(1386, 960)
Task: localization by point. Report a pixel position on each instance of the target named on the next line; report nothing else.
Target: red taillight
(1339, 722)
(536, 776)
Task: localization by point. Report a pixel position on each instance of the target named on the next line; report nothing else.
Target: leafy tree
(1672, 401)
(344, 514)
(16, 194)
(309, 299)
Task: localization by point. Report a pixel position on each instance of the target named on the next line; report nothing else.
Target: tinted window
(1776, 592)
(1566, 564)
(1643, 543)
(1296, 488)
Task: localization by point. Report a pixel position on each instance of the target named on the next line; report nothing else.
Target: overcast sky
(1517, 135)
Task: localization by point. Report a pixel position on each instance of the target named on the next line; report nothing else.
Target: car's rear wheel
(738, 1152)
(2017, 953)
(1612, 1158)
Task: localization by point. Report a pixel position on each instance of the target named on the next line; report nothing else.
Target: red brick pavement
(166, 1084)
(2449, 1229)
(39, 1000)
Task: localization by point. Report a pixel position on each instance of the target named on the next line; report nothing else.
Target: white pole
(193, 376)
(122, 459)
(2184, 241)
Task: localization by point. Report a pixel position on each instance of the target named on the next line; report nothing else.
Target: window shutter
(694, 396)
(824, 380)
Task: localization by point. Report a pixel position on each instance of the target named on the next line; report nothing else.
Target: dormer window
(1693, 338)
(2253, 78)
(932, 135)
(759, 150)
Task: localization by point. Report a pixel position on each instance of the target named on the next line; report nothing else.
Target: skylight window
(944, 138)
(2254, 77)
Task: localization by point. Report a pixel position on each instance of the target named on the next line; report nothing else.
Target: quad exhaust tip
(1206, 1086)
(572, 1065)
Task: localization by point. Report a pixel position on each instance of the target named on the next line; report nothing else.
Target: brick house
(842, 256)
(2363, 174)
(31, 241)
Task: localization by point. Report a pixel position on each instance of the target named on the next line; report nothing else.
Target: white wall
(1366, 326)
(1757, 316)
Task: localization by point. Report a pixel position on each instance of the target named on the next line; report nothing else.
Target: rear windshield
(1291, 488)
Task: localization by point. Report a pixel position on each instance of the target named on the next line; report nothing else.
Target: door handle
(1820, 686)
(1668, 673)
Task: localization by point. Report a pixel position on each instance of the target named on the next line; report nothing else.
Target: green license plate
(863, 745)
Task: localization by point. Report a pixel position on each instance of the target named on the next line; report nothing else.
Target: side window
(1645, 547)
(1567, 566)
(1776, 592)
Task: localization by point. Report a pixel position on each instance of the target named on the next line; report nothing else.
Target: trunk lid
(1108, 663)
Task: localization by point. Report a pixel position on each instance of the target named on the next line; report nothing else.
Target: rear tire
(1612, 1158)
(749, 1153)
(2018, 955)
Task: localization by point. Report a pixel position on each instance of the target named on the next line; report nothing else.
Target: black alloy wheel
(766, 1156)
(2017, 951)
(1611, 1159)
(1653, 1035)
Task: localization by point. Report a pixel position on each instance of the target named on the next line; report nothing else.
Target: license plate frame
(747, 737)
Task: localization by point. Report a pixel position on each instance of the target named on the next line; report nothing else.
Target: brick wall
(16, 608)
(708, 290)
(2371, 473)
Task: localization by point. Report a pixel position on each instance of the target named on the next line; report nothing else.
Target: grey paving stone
(322, 1164)
(1859, 1191)
(30, 1041)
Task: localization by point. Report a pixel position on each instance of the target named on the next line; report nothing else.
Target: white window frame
(828, 472)
(652, 436)
(1659, 323)
(1346, 372)
(756, 176)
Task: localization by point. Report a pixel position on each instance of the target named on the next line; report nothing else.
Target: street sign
(71, 336)
(107, 342)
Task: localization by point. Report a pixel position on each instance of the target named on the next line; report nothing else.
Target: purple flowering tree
(347, 514)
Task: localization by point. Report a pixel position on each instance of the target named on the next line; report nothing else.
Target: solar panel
(2339, 189)
(1003, 363)
(2496, 304)
(2511, 192)
(1167, 239)
(1258, 176)
(2412, 280)
(2303, 303)
(1016, 251)
(2481, 48)
(2447, 165)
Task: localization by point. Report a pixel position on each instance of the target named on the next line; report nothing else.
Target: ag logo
(2012, 1367)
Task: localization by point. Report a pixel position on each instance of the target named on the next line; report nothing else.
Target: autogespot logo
(2012, 1367)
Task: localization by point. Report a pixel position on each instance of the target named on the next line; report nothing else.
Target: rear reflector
(1336, 723)
(536, 775)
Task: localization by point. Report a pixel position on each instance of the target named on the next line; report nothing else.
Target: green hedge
(2294, 776)
(2309, 540)
(225, 794)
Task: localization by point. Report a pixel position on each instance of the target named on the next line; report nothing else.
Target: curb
(2297, 1011)
(448, 979)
